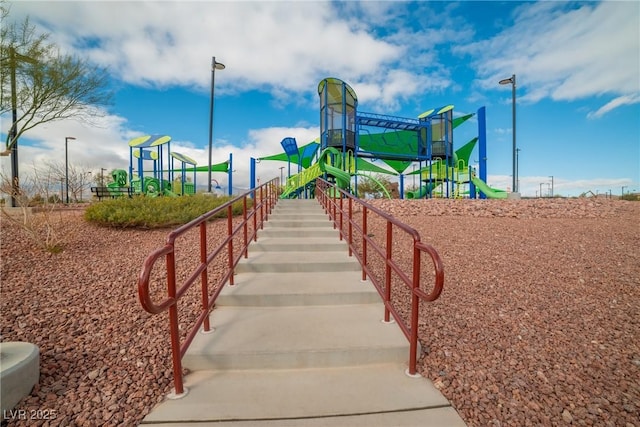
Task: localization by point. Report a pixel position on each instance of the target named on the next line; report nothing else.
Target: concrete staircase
(299, 341)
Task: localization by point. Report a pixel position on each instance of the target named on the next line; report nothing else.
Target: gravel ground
(538, 323)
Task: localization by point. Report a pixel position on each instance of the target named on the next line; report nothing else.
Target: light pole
(541, 189)
(66, 165)
(551, 185)
(518, 167)
(102, 176)
(281, 175)
(512, 81)
(214, 66)
(622, 193)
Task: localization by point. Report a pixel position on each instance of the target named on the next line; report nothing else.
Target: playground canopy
(396, 143)
(306, 153)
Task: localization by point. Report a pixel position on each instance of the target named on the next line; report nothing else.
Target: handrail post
(350, 226)
(244, 227)
(255, 216)
(333, 210)
(387, 271)
(274, 198)
(415, 311)
(176, 353)
(204, 276)
(267, 201)
(229, 233)
(364, 242)
(341, 217)
(261, 208)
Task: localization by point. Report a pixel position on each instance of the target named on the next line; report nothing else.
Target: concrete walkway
(299, 341)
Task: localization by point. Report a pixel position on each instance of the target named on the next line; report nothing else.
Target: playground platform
(299, 341)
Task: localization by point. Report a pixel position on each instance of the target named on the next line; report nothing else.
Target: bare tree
(373, 186)
(79, 179)
(38, 192)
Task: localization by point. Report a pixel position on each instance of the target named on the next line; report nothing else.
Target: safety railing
(382, 259)
(238, 230)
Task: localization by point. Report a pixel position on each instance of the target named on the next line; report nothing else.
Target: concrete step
(297, 338)
(290, 244)
(300, 232)
(298, 289)
(300, 205)
(279, 222)
(292, 210)
(286, 262)
(372, 395)
(296, 216)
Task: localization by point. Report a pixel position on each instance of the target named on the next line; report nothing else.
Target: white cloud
(284, 48)
(565, 52)
(287, 45)
(613, 104)
(107, 147)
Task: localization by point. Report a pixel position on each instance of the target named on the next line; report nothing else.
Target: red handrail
(338, 214)
(264, 199)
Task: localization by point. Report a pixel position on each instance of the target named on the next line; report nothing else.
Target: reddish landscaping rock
(537, 324)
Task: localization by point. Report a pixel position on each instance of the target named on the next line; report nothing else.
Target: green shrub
(156, 212)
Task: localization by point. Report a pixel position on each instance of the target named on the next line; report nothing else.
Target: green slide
(421, 192)
(343, 179)
(491, 193)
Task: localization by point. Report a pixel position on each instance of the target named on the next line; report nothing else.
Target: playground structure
(350, 142)
(349, 145)
(172, 180)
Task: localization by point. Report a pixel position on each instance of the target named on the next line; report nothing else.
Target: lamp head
(218, 65)
(506, 81)
(69, 137)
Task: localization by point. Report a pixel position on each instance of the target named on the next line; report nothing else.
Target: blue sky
(577, 67)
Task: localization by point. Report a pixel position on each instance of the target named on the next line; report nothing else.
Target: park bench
(111, 192)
